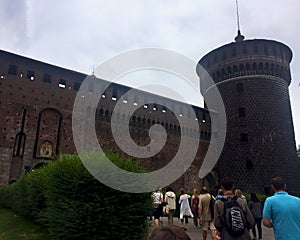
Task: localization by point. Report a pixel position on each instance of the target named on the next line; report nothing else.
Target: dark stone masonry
(252, 76)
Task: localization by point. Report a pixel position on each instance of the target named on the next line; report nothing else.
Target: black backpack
(235, 221)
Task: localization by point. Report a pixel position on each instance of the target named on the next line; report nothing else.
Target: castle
(252, 77)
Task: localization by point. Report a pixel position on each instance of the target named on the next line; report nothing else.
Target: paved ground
(196, 234)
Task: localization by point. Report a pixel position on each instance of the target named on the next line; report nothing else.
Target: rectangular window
(114, 92)
(13, 69)
(30, 75)
(239, 87)
(242, 112)
(62, 83)
(244, 137)
(47, 78)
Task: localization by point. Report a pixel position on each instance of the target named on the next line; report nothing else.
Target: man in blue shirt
(282, 212)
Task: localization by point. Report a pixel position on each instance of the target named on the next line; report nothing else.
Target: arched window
(241, 67)
(272, 69)
(260, 68)
(223, 73)
(229, 71)
(267, 68)
(235, 69)
(254, 68)
(277, 71)
(247, 66)
(281, 72)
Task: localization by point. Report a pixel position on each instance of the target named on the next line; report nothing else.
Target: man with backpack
(206, 217)
(232, 216)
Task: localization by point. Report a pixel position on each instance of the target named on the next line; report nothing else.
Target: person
(171, 232)
(239, 194)
(194, 206)
(170, 200)
(282, 212)
(185, 210)
(157, 198)
(205, 215)
(219, 216)
(220, 194)
(255, 207)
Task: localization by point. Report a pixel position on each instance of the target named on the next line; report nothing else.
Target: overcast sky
(81, 34)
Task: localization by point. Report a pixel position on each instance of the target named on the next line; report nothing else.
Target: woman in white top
(185, 210)
(157, 198)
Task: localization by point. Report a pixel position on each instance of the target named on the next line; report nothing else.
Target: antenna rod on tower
(237, 15)
(239, 36)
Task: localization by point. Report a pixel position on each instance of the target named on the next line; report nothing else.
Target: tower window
(244, 137)
(114, 92)
(239, 87)
(30, 75)
(62, 83)
(242, 112)
(249, 164)
(47, 78)
(235, 69)
(12, 69)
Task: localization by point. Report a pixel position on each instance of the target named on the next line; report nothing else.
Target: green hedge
(72, 204)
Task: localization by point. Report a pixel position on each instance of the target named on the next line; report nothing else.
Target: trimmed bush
(72, 204)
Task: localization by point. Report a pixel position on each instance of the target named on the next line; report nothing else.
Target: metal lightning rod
(239, 36)
(237, 15)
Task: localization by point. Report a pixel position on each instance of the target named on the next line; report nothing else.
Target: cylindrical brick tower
(253, 77)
